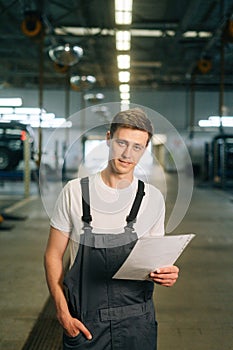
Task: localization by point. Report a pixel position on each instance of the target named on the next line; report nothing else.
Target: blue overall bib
(119, 313)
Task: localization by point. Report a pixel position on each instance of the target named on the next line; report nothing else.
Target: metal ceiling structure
(168, 39)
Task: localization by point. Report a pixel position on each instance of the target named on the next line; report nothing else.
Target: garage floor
(196, 314)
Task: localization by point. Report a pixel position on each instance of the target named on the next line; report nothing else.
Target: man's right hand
(72, 326)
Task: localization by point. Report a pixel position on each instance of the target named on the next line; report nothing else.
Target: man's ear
(108, 138)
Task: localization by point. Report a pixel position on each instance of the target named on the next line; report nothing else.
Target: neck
(115, 180)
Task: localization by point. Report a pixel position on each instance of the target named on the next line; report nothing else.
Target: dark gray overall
(119, 313)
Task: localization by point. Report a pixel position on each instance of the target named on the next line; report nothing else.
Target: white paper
(151, 253)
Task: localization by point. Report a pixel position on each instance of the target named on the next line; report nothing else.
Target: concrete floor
(195, 314)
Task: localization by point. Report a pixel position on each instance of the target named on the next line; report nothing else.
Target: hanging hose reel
(60, 68)
(32, 24)
(204, 65)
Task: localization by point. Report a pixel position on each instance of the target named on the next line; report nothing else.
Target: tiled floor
(196, 314)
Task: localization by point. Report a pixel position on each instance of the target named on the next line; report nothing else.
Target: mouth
(123, 162)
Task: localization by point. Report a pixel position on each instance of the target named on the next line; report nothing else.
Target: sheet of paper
(150, 253)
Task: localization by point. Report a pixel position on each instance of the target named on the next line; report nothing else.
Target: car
(12, 137)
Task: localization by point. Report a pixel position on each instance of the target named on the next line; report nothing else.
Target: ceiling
(163, 57)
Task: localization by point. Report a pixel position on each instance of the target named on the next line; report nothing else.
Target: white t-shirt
(109, 208)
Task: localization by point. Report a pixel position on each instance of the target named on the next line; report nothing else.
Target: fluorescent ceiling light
(123, 61)
(81, 31)
(93, 97)
(125, 105)
(170, 32)
(147, 32)
(84, 31)
(123, 11)
(123, 17)
(47, 116)
(123, 5)
(123, 38)
(30, 118)
(29, 110)
(126, 102)
(15, 117)
(194, 34)
(124, 88)
(124, 77)
(125, 95)
(123, 45)
(11, 102)
(55, 123)
(215, 121)
(6, 110)
(204, 34)
(190, 34)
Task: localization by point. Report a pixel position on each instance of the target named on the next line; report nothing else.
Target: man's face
(126, 148)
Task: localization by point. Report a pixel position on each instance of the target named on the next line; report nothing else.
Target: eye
(138, 148)
(121, 143)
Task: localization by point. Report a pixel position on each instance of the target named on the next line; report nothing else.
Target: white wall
(173, 105)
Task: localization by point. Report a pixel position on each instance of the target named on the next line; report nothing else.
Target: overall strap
(86, 217)
(131, 218)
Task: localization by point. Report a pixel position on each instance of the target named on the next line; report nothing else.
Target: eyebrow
(134, 143)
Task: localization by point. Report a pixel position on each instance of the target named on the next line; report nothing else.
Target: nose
(127, 153)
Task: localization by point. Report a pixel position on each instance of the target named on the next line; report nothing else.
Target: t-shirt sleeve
(61, 217)
(151, 214)
(158, 227)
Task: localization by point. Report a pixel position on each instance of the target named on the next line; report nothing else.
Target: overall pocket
(73, 342)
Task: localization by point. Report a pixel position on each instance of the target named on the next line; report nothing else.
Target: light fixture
(203, 34)
(123, 61)
(6, 110)
(122, 17)
(93, 31)
(148, 33)
(47, 116)
(123, 5)
(83, 82)
(29, 110)
(54, 123)
(15, 117)
(66, 55)
(124, 76)
(123, 11)
(123, 40)
(125, 95)
(190, 34)
(94, 97)
(124, 88)
(216, 121)
(125, 105)
(11, 102)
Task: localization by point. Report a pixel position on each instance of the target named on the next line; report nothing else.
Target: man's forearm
(54, 277)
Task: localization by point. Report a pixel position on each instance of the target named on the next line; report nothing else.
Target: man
(102, 217)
